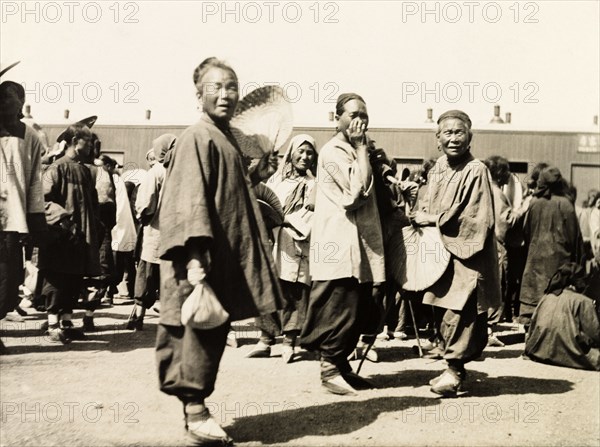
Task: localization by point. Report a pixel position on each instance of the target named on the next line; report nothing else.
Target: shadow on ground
(323, 420)
(107, 337)
(478, 384)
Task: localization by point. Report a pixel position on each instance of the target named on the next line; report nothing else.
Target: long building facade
(576, 154)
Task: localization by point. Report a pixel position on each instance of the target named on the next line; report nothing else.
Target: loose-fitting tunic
(292, 247)
(462, 195)
(146, 205)
(69, 184)
(21, 183)
(207, 197)
(553, 238)
(346, 236)
(123, 233)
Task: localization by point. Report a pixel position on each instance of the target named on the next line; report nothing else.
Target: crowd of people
(302, 244)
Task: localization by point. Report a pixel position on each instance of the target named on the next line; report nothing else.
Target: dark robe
(552, 238)
(565, 331)
(69, 184)
(207, 199)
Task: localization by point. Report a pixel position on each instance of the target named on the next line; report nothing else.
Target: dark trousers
(338, 312)
(463, 333)
(11, 271)
(107, 262)
(61, 291)
(147, 284)
(124, 269)
(289, 320)
(517, 256)
(188, 360)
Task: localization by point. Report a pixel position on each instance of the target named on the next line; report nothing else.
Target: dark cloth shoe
(357, 382)
(70, 332)
(135, 323)
(88, 324)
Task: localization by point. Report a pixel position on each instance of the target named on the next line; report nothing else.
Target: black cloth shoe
(70, 332)
(88, 324)
(357, 382)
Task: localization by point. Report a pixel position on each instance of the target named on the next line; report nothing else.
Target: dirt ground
(103, 391)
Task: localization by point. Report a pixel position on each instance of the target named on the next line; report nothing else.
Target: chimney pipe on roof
(331, 116)
(429, 116)
(496, 119)
(148, 114)
(28, 111)
(595, 120)
(66, 114)
(508, 117)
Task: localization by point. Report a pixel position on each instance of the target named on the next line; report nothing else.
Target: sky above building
(539, 60)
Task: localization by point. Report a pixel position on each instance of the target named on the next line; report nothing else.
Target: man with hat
(72, 213)
(21, 198)
(460, 204)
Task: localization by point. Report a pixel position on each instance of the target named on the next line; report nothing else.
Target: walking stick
(412, 314)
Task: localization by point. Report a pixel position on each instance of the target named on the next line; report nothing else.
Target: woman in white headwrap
(293, 184)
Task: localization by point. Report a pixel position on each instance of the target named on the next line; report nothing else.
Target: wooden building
(576, 154)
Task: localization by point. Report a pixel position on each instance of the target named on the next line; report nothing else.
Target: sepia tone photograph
(300, 223)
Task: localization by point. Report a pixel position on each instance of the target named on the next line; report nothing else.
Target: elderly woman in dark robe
(552, 238)
(565, 327)
(212, 233)
(293, 184)
(460, 204)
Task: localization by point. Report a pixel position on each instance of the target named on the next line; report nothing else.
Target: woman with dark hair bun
(212, 234)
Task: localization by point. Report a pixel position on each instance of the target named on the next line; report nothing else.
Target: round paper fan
(419, 259)
(263, 121)
(269, 204)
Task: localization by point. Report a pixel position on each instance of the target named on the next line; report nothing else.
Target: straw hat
(89, 122)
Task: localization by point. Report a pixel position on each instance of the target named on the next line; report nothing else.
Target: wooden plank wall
(558, 148)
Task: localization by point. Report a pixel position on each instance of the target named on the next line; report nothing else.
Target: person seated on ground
(565, 327)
